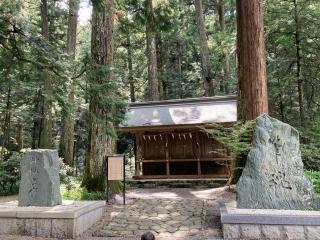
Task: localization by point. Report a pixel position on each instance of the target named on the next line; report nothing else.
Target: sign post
(115, 171)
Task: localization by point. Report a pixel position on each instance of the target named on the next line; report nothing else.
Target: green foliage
(104, 90)
(310, 145)
(10, 174)
(237, 138)
(65, 171)
(25, 55)
(311, 156)
(79, 193)
(282, 58)
(315, 179)
(71, 190)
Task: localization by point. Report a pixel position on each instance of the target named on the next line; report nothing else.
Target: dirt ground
(107, 228)
(8, 198)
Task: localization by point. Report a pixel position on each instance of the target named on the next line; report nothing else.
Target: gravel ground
(211, 228)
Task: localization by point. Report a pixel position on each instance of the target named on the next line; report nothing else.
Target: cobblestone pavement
(169, 213)
(166, 218)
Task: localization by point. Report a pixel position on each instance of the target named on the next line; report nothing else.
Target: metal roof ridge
(185, 100)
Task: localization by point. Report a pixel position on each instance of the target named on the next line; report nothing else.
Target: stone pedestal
(40, 183)
(65, 221)
(269, 223)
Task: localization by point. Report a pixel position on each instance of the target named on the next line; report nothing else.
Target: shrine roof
(190, 111)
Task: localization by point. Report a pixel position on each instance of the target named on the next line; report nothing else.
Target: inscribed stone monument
(273, 176)
(40, 183)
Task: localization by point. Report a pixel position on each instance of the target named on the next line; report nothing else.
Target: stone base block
(68, 220)
(269, 223)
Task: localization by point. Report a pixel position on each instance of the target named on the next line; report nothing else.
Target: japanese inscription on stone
(40, 183)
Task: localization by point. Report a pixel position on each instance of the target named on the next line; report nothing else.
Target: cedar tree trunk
(99, 143)
(204, 50)
(153, 83)
(45, 140)
(67, 131)
(252, 77)
(225, 74)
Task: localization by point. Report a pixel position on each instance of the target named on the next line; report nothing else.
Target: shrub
(310, 145)
(76, 192)
(315, 179)
(10, 174)
(65, 171)
(237, 138)
(311, 156)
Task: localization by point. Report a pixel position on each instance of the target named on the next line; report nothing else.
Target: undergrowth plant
(237, 138)
(76, 192)
(315, 179)
(10, 174)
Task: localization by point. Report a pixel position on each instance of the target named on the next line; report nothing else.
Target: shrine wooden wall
(180, 154)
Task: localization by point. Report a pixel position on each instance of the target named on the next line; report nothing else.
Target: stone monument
(273, 177)
(40, 182)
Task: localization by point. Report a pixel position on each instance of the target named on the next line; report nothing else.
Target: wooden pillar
(167, 155)
(198, 144)
(139, 154)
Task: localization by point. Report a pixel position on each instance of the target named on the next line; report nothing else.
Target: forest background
(63, 78)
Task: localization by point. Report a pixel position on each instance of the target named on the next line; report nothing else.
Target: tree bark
(36, 120)
(160, 65)
(72, 28)
(204, 50)
(67, 131)
(19, 136)
(130, 69)
(298, 62)
(45, 140)
(99, 143)
(153, 83)
(7, 118)
(177, 68)
(225, 73)
(252, 77)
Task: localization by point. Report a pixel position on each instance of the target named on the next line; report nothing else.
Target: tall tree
(19, 136)
(252, 77)
(130, 68)
(160, 64)
(225, 73)
(5, 135)
(153, 83)
(99, 142)
(67, 131)
(45, 140)
(177, 66)
(204, 50)
(298, 62)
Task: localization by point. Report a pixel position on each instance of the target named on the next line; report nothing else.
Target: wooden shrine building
(170, 142)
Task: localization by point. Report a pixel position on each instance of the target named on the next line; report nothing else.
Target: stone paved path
(165, 217)
(169, 213)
